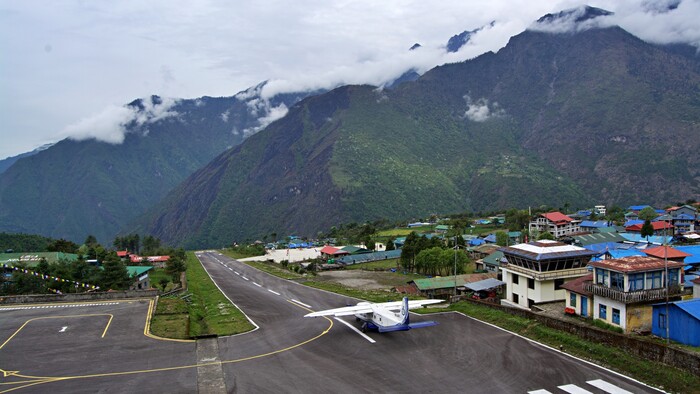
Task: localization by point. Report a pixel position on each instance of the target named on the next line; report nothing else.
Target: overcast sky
(62, 62)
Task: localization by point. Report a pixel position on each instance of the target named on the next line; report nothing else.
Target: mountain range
(88, 186)
(596, 116)
(592, 115)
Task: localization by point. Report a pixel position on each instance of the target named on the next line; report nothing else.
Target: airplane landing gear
(363, 328)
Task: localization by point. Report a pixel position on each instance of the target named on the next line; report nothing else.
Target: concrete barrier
(94, 296)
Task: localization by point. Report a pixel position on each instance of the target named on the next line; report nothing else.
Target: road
(102, 347)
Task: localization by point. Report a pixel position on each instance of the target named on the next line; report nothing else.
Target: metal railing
(630, 297)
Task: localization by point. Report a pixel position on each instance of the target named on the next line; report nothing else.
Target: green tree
(545, 235)
(390, 245)
(114, 275)
(517, 219)
(151, 245)
(62, 245)
(174, 267)
(163, 282)
(648, 213)
(502, 238)
(647, 229)
(90, 240)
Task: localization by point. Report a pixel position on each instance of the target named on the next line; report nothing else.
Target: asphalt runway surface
(103, 349)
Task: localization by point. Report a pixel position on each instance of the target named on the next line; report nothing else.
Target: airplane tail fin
(404, 311)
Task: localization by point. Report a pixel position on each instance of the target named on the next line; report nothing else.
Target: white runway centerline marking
(300, 303)
(355, 329)
(64, 328)
(236, 272)
(273, 292)
(257, 284)
(244, 278)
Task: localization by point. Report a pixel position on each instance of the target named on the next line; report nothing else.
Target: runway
(103, 348)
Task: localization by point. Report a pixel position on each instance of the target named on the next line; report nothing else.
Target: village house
(578, 300)
(555, 223)
(535, 272)
(625, 289)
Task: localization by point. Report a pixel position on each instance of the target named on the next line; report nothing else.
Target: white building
(600, 210)
(556, 223)
(535, 271)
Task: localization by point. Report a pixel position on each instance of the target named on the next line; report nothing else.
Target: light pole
(455, 269)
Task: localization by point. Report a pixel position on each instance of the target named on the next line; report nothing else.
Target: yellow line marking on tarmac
(147, 327)
(46, 379)
(58, 317)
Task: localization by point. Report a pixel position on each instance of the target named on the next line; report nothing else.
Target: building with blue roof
(591, 225)
(632, 222)
(654, 239)
(620, 253)
(681, 319)
(637, 208)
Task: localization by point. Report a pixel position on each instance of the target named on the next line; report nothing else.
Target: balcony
(631, 297)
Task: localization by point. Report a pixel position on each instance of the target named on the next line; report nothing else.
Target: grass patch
(271, 268)
(210, 312)
(241, 252)
(171, 326)
(369, 295)
(654, 373)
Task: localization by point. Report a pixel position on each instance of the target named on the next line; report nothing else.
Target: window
(673, 276)
(601, 276)
(530, 283)
(662, 320)
(616, 316)
(558, 283)
(516, 299)
(515, 279)
(572, 301)
(603, 312)
(617, 281)
(636, 282)
(654, 280)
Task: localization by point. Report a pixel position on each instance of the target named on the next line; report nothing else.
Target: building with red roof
(666, 252)
(660, 228)
(625, 289)
(579, 301)
(555, 223)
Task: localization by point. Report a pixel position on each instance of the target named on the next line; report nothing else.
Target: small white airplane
(380, 317)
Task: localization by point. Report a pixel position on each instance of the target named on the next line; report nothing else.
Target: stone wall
(94, 296)
(679, 358)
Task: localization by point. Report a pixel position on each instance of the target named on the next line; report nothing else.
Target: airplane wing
(412, 304)
(345, 311)
(366, 307)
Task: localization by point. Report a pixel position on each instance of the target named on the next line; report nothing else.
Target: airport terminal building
(535, 271)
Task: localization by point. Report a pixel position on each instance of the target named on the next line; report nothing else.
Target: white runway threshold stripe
(607, 387)
(355, 329)
(300, 303)
(574, 389)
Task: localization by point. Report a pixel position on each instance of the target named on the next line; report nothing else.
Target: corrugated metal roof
(138, 270)
(444, 282)
(693, 251)
(597, 238)
(557, 217)
(485, 284)
(692, 307)
(665, 252)
(635, 264)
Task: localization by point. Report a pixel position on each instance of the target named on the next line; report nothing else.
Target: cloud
(573, 20)
(479, 111)
(224, 115)
(112, 123)
(271, 115)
